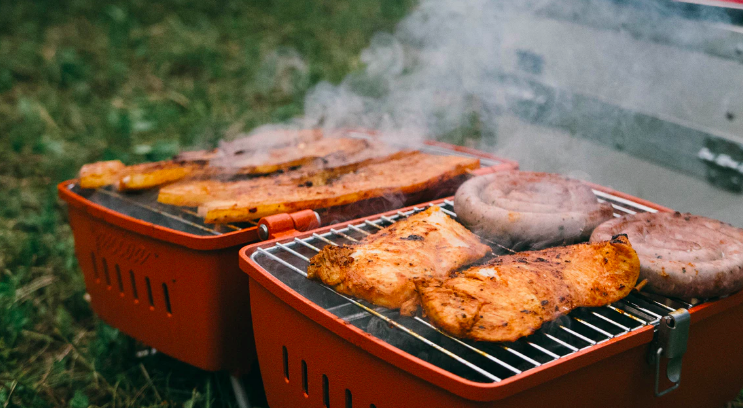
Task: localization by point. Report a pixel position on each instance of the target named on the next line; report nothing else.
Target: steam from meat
(530, 210)
(683, 255)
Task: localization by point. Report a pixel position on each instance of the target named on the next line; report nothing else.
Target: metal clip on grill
(670, 343)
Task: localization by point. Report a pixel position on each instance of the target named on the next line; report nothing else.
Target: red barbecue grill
(162, 276)
(317, 347)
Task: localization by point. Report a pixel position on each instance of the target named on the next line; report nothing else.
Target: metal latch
(670, 344)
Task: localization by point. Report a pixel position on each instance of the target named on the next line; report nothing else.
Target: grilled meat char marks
(381, 268)
(512, 296)
(527, 210)
(682, 255)
(390, 178)
(282, 158)
(266, 158)
(194, 193)
(266, 138)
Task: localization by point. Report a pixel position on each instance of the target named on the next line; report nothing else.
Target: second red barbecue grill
(317, 347)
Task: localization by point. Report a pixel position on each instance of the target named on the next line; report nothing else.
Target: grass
(83, 80)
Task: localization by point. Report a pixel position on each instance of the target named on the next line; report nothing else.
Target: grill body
(188, 303)
(311, 357)
(181, 293)
(616, 375)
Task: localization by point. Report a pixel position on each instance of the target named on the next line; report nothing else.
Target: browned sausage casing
(528, 210)
(682, 255)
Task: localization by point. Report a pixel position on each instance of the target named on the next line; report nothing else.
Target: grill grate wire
(183, 215)
(484, 362)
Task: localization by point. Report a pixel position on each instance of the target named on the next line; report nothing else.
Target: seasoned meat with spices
(100, 174)
(381, 268)
(195, 192)
(269, 137)
(319, 154)
(413, 173)
(272, 160)
(512, 296)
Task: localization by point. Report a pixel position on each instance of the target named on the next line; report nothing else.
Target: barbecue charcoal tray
(162, 276)
(317, 347)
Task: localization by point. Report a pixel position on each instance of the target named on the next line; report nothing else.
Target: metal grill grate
(483, 362)
(144, 206)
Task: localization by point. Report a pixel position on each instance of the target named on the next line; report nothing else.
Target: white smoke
(452, 69)
(420, 81)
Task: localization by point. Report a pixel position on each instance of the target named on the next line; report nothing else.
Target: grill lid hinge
(277, 225)
(670, 344)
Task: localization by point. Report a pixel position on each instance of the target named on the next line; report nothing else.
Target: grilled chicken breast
(382, 267)
(514, 295)
(387, 179)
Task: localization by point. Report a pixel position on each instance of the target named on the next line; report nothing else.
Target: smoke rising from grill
(464, 70)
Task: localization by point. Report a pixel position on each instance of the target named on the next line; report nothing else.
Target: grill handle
(278, 225)
(670, 344)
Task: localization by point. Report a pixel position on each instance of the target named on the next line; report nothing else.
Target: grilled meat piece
(195, 192)
(381, 268)
(198, 156)
(391, 179)
(514, 295)
(682, 255)
(527, 210)
(212, 164)
(136, 177)
(272, 160)
(260, 139)
(266, 137)
(149, 175)
(100, 174)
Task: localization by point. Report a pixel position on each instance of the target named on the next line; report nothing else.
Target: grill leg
(241, 396)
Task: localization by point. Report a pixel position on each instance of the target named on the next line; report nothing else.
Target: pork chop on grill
(682, 255)
(266, 138)
(149, 175)
(381, 268)
(195, 192)
(197, 156)
(323, 153)
(137, 177)
(512, 296)
(272, 160)
(528, 210)
(394, 179)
